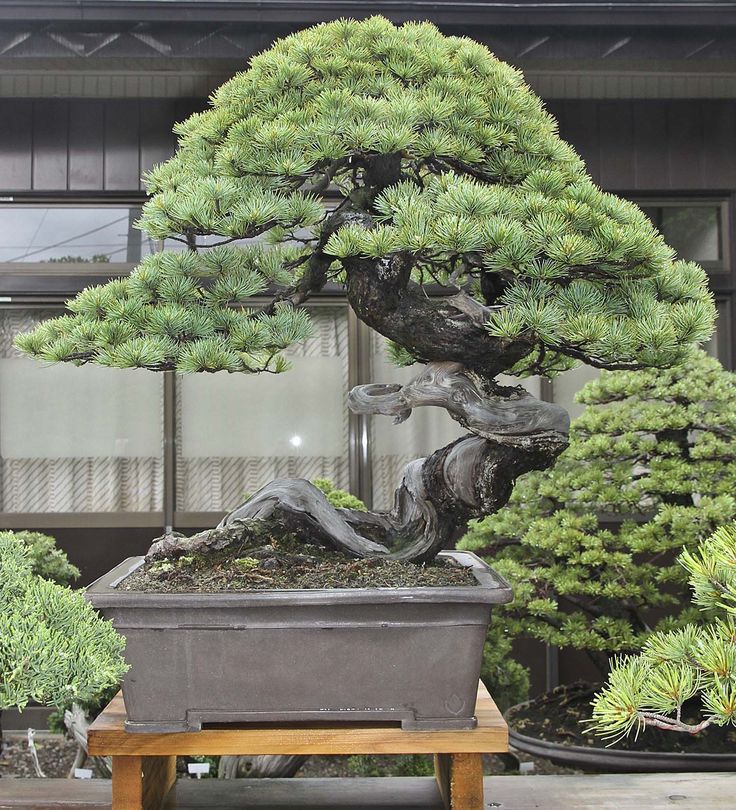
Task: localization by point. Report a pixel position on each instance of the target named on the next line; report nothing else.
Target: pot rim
(599, 758)
(490, 588)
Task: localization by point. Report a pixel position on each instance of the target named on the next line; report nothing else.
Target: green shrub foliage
(339, 497)
(54, 649)
(46, 560)
(489, 199)
(653, 449)
(649, 689)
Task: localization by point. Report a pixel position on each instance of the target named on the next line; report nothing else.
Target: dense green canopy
(436, 152)
(589, 545)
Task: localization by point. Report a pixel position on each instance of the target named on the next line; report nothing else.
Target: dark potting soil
(560, 716)
(286, 563)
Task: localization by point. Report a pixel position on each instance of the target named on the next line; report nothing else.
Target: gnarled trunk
(511, 434)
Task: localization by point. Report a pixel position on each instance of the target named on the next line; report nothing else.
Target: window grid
(37, 294)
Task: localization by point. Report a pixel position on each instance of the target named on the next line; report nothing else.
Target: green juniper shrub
(46, 559)
(649, 689)
(653, 449)
(54, 648)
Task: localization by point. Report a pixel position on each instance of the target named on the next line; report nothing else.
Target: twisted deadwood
(512, 433)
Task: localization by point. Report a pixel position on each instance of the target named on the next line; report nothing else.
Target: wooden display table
(144, 765)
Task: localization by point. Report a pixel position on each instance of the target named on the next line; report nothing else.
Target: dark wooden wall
(88, 145)
(652, 145)
(85, 145)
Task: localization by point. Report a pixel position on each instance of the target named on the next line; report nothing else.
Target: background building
(89, 90)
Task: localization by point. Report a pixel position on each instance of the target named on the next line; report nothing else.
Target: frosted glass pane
(64, 411)
(238, 432)
(76, 439)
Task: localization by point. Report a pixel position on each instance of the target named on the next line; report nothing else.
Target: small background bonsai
(45, 558)
(649, 690)
(447, 171)
(654, 449)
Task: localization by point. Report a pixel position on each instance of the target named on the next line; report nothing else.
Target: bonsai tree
(443, 168)
(649, 689)
(54, 649)
(46, 559)
(653, 449)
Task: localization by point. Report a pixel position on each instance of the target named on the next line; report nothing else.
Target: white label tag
(198, 767)
(82, 773)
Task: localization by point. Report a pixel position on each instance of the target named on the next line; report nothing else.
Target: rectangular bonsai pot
(401, 655)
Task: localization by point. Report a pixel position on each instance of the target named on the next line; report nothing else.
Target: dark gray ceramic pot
(403, 655)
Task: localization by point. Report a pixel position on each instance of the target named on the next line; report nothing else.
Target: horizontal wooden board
(107, 736)
(709, 791)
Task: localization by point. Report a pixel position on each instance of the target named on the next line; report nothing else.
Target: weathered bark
(513, 434)
(259, 767)
(77, 724)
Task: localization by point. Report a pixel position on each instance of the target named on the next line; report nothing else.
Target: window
(237, 432)
(696, 229)
(72, 234)
(76, 439)
(97, 434)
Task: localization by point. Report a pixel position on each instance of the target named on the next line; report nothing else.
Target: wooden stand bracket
(144, 765)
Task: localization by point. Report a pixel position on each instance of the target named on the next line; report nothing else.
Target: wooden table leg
(141, 783)
(460, 780)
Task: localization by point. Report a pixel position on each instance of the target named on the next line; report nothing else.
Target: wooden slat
(50, 144)
(685, 147)
(649, 151)
(122, 147)
(624, 791)
(107, 736)
(55, 794)
(15, 144)
(86, 155)
(705, 791)
(616, 137)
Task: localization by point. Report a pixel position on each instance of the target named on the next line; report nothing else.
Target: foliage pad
(654, 449)
(457, 169)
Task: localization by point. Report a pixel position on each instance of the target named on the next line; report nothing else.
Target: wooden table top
(107, 736)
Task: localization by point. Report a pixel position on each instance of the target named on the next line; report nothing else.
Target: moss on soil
(286, 563)
(560, 716)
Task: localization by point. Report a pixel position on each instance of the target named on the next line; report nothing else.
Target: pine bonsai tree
(448, 171)
(649, 689)
(54, 649)
(656, 449)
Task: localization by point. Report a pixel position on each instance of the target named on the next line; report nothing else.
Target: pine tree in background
(448, 171)
(654, 449)
(649, 690)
